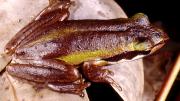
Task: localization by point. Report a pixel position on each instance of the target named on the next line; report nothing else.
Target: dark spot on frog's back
(45, 45)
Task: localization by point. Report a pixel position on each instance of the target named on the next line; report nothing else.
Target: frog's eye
(141, 19)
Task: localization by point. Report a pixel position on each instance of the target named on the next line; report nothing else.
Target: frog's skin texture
(52, 50)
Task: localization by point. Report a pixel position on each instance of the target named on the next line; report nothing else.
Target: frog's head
(146, 36)
(157, 38)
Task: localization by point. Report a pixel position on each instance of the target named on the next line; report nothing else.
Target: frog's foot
(74, 88)
(97, 71)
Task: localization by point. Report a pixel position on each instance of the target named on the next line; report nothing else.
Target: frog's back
(89, 44)
(77, 42)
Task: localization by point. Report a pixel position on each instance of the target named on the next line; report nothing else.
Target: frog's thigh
(44, 71)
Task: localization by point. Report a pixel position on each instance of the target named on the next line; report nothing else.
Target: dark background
(163, 12)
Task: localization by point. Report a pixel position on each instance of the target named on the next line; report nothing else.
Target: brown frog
(54, 51)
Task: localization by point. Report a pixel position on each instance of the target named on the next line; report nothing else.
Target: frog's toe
(74, 88)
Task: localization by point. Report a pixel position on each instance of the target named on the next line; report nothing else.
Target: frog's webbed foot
(76, 87)
(97, 71)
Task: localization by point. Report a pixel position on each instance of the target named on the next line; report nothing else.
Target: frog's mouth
(127, 56)
(133, 55)
(156, 47)
(159, 45)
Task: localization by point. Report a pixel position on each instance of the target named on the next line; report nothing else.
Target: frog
(67, 55)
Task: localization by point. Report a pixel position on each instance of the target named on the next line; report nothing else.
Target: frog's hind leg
(98, 71)
(56, 11)
(75, 88)
(54, 74)
(44, 71)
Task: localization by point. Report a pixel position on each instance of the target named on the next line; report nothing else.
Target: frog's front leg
(58, 75)
(98, 71)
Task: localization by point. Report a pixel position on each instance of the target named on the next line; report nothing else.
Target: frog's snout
(165, 37)
(159, 39)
